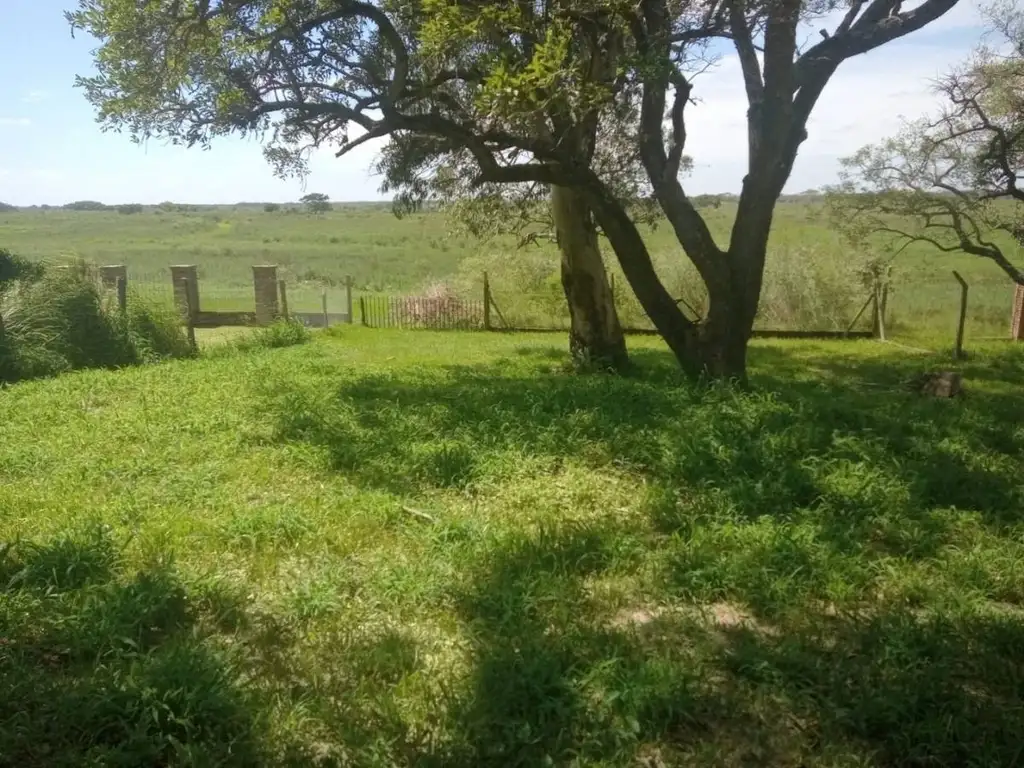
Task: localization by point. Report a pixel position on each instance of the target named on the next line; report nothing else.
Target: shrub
(130, 208)
(14, 268)
(61, 322)
(7, 207)
(155, 331)
(271, 207)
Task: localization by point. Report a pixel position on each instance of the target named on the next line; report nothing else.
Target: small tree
(271, 207)
(316, 202)
(953, 181)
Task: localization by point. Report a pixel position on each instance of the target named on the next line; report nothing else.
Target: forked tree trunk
(715, 346)
(595, 335)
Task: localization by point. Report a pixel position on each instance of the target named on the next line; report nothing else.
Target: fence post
(362, 310)
(190, 310)
(884, 312)
(348, 298)
(185, 278)
(1017, 321)
(284, 299)
(323, 304)
(959, 351)
(878, 323)
(487, 303)
(264, 280)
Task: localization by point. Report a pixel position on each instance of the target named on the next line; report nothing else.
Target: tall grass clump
(57, 319)
(283, 333)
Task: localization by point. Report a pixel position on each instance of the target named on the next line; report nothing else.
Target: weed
(283, 333)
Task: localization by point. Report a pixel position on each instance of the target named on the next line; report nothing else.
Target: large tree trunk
(595, 336)
(723, 335)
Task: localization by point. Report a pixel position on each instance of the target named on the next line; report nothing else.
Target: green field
(409, 548)
(811, 281)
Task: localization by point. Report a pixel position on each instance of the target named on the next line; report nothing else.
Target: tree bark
(711, 347)
(595, 335)
(724, 334)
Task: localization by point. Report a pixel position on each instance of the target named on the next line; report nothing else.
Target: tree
(513, 87)
(7, 207)
(271, 207)
(85, 205)
(316, 202)
(953, 181)
(430, 172)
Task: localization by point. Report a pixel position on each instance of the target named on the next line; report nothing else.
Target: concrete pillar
(186, 278)
(264, 280)
(111, 272)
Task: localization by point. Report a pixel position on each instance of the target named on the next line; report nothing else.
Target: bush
(271, 207)
(7, 207)
(155, 331)
(14, 268)
(130, 208)
(61, 322)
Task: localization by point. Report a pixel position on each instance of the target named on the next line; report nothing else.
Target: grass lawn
(388, 548)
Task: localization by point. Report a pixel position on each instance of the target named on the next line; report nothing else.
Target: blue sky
(52, 151)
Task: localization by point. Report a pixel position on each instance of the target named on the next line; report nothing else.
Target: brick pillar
(264, 280)
(111, 272)
(1017, 323)
(186, 275)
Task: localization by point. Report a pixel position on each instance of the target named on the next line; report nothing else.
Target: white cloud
(35, 97)
(15, 121)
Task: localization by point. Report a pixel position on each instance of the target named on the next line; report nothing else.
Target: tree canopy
(955, 177)
(316, 202)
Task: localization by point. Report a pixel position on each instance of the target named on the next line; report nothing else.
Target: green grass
(387, 548)
(811, 279)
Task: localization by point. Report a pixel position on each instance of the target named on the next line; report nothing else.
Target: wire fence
(924, 310)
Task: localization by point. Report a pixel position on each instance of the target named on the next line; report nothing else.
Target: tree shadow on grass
(784, 530)
(103, 667)
(556, 680)
(799, 441)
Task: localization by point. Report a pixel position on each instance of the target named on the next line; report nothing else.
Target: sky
(52, 151)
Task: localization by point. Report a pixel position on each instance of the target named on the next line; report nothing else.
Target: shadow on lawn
(553, 683)
(785, 510)
(829, 432)
(100, 670)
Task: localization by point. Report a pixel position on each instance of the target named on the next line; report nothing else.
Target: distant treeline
(129, 208)
(701, 201)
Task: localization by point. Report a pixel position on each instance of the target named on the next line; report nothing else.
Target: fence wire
(923, 310)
